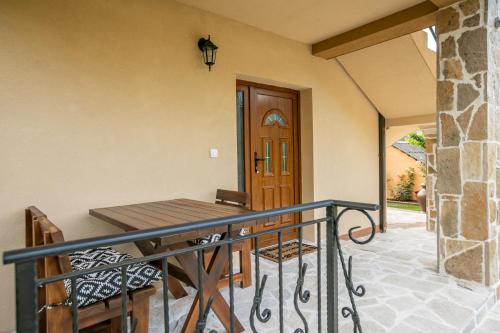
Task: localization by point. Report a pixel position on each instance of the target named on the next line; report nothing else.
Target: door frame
(245, 85)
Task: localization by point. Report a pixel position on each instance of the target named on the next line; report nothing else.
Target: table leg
(174, 285)
(220, 307)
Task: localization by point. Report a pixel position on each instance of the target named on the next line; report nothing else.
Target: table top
(168, 213)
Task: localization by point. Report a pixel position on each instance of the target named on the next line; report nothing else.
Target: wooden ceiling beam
(404, 22)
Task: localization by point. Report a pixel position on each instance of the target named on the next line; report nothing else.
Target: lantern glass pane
(205, 56)
(210, 56)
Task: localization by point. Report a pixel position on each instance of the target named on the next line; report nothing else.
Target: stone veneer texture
(430, 182)
(468, 137)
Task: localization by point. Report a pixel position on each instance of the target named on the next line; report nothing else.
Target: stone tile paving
(396, 217)
(403, 292)
(491, 323)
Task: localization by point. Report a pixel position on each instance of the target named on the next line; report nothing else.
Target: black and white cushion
(95, 287)
(214, 238)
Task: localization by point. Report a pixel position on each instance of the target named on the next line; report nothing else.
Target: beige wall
(108, 102)
(397, 163)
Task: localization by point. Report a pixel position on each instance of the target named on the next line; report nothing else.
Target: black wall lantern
(209, 51)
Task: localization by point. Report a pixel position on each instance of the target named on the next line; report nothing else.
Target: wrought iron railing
(27, 283)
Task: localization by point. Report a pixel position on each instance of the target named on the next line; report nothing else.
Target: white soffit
(397, 76)
(306, 21)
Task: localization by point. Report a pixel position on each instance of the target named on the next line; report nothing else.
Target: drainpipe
(382, 175)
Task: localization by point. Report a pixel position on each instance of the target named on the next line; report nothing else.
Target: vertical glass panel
(240, 150)
(284, 157)
(267, 156)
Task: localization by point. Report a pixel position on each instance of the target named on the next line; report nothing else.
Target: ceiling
(306, 21)
(398, 76)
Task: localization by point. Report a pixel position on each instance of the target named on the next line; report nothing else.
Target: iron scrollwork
(263, 316)
(27, 281)
(358, 291)
(303, 296)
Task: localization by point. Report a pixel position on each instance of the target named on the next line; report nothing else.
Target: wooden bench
(101, 316)
(244, 276)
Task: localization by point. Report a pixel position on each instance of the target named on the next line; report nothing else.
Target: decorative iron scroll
(353, 290)
(265, 315)
(303, 296)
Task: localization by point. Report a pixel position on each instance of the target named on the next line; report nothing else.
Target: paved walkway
(404, 294)
(491, 323)
(405, 218)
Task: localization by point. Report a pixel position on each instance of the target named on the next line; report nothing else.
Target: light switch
(214, 153)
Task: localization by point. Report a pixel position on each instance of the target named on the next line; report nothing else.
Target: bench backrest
(41, 231)
(232, 198)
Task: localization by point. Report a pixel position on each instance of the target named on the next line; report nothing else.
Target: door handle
(257, 160)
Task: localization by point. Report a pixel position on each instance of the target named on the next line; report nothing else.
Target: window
(267, 157)
(284, 157)
(272, 118)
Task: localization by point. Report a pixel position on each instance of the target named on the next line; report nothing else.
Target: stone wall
(467, 140)
(430, 182)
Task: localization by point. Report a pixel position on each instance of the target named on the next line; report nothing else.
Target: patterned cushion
(95, 287)
(214, 238)
(207, 239)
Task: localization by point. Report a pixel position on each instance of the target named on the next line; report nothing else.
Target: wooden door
(273, 155)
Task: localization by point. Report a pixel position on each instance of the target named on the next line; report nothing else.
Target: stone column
(430, 182)
(468, 136)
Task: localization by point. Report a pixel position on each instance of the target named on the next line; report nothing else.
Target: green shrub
(416, 139)
(403, 191)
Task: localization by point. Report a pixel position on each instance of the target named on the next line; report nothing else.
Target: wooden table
(174, 213)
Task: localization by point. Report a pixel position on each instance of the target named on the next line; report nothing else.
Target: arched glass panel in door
(274, 117)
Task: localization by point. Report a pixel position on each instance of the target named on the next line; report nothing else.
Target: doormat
(290, 250)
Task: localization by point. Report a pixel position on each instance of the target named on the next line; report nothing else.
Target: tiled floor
(491, 323)
(404, 294)
(404, 218)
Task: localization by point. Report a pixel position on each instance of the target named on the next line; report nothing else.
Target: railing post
(331, 270)
(26, 297)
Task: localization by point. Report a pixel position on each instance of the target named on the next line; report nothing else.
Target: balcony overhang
(426, 119)
(404, 22)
